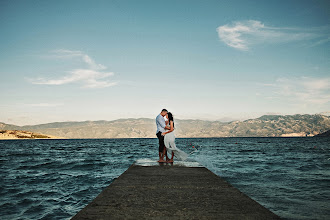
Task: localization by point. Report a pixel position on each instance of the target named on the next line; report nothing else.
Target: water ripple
(54, 179)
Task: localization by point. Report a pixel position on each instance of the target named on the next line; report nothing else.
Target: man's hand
(163, 133)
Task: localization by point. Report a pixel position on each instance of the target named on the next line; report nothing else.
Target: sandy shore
(15, 134)
(301, 134)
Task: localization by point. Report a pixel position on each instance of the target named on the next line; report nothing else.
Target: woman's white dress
(169, 141)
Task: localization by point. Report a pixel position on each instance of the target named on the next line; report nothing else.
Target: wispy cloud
(70, 54)
(242, 35)
(305, 90)
(44, 104)
(93, 76)
(89, 78)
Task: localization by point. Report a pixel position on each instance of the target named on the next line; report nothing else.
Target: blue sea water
(54, 179)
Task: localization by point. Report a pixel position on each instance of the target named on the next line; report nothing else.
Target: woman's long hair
(170, 117)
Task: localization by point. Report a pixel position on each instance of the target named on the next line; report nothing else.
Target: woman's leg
(166, 143)
(174, 147)
(170, 143)
(165, 153)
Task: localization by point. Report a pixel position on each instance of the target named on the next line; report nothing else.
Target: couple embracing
(165, 135)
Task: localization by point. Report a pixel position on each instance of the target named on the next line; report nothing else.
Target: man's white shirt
(160, 122)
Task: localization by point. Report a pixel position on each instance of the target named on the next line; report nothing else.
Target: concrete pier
(172, 192)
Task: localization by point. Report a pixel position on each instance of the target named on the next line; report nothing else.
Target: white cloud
(91, 77)
(70, 54)
(233, 35)
(304, 90)
(44, 104)
(242, 35)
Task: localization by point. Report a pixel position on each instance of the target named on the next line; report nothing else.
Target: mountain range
(265, 126)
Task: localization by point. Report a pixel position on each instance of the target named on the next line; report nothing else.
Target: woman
(169, 141)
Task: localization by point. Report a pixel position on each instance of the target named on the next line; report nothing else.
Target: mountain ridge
(264, 126)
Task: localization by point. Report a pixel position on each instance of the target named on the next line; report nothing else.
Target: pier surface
(172, 192)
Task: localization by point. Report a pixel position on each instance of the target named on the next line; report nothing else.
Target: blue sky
(215, 60)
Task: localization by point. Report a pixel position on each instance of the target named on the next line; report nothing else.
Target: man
(161, 125)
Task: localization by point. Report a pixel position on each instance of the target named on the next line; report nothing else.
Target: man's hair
(164, 110)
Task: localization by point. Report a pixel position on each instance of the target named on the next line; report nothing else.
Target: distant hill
(324, 134)
(265, 126)
(16, 134)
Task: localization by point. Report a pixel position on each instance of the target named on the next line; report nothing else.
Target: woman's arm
(171, 128)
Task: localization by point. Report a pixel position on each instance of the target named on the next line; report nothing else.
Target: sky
(81, 60)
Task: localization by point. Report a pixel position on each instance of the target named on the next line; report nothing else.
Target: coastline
(24, 135)
(62, 138)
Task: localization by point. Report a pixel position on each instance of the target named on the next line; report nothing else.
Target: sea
(55, 179)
